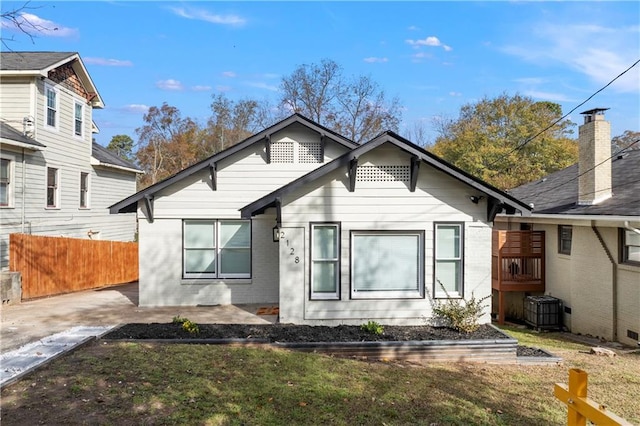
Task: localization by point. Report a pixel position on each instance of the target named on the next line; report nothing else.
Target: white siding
(388, 206)
(241, 179)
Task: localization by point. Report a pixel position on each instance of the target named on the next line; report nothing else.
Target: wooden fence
(56, 265)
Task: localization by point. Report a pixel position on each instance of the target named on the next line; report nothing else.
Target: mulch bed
(287, 333)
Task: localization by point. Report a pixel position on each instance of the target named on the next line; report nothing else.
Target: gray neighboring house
(54, 180)
(590, 213)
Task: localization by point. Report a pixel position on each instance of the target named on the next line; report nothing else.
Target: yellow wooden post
(582, 408)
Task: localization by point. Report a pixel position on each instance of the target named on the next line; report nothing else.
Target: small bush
(459, 314)
(187, 325)
(373, 328)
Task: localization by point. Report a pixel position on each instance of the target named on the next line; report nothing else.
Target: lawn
(142, 383)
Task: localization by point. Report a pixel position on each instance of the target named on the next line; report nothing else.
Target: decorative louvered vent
(296, 152)
(383, 174)
(282, 152)
(309, 152)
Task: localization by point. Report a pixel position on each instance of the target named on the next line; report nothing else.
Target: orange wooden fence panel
(56, 265)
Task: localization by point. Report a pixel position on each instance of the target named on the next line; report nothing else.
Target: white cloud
(431, 41)
(203, 15)
(530, 80)
(169, 84)
(41, 26)
(413, 28)
(229, 74)
(455, 94)
(108, 62)
(597, 51)
(135, 108)
(373, 59)
(201, 88)
(261, 85)
(420, 56)
(221, 88)
(547, 96)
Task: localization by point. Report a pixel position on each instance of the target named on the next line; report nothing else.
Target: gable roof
(129, 204)
(11, 136)
(40, 63)
(101, 156)
(557, 193)
(497, 198)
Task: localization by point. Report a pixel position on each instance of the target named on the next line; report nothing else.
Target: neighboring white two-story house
(331, 231)
(54, 180)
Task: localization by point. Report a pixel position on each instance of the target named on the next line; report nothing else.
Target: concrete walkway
(34, 332)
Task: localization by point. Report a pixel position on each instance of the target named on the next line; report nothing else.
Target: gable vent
(309, 152)
(282, 152)
(383, 174)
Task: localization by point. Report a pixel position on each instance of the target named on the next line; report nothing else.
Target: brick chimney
(594, 162)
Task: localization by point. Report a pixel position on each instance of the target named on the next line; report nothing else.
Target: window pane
(199, 234)
(386, 262)
(200, 261)
(448, 275)
(633, 253)
(235, 234)
(631, 238)
(325, 243)
(4, 194)
(51, 98)
(324, 277)
(235, 261)
(4, 170)
(51, 177)
(448, 242)
(78, 112)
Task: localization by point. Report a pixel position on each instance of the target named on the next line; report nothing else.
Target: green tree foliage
(122, 146)
(167, 143)
(354, 107)
(489, 140)
(627, 140)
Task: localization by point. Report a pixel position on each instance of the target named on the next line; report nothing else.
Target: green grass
(138, 383)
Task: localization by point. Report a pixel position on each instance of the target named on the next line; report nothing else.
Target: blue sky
(434, 56)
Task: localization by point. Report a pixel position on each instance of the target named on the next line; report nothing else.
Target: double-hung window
(52, 107)
(217, 249)
(325, 261)
(5, 182)
(53, 178)
(564, 239)
(78, 122)
(84, 190)
(630, 247)
(387, 264)
(448, 260)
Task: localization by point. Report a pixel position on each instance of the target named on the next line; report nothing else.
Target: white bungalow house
(331, 231)
(590, 215)
(54, 180)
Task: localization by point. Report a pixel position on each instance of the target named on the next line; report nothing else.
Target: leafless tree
(18, 20)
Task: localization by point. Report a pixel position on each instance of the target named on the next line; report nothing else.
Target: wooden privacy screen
(56, 265)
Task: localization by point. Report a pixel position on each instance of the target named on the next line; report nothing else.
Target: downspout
(614, 281)
(24, 186)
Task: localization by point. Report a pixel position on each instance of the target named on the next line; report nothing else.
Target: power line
(526, 142)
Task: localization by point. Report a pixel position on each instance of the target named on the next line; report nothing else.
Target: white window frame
(86, 191)
(217, 248)
(56, 109)
(317, 295)
(437, 289)
(389, 294)
(56, 189)
(628, 240)
(77, 104)
(9, 183)
(565, 234)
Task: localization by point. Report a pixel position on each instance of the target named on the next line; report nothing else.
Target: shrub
(373, 328)
(187, 325)
(459, 314)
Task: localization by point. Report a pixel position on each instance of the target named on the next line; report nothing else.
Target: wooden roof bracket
(267, 148)
(353, 168)
(415, 169)
(148, 203)
(278, 212)
(213, 171)
(494, 206)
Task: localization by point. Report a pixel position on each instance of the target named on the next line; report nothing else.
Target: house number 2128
(292, 251)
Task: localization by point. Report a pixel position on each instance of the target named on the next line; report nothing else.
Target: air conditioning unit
(543, 312)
